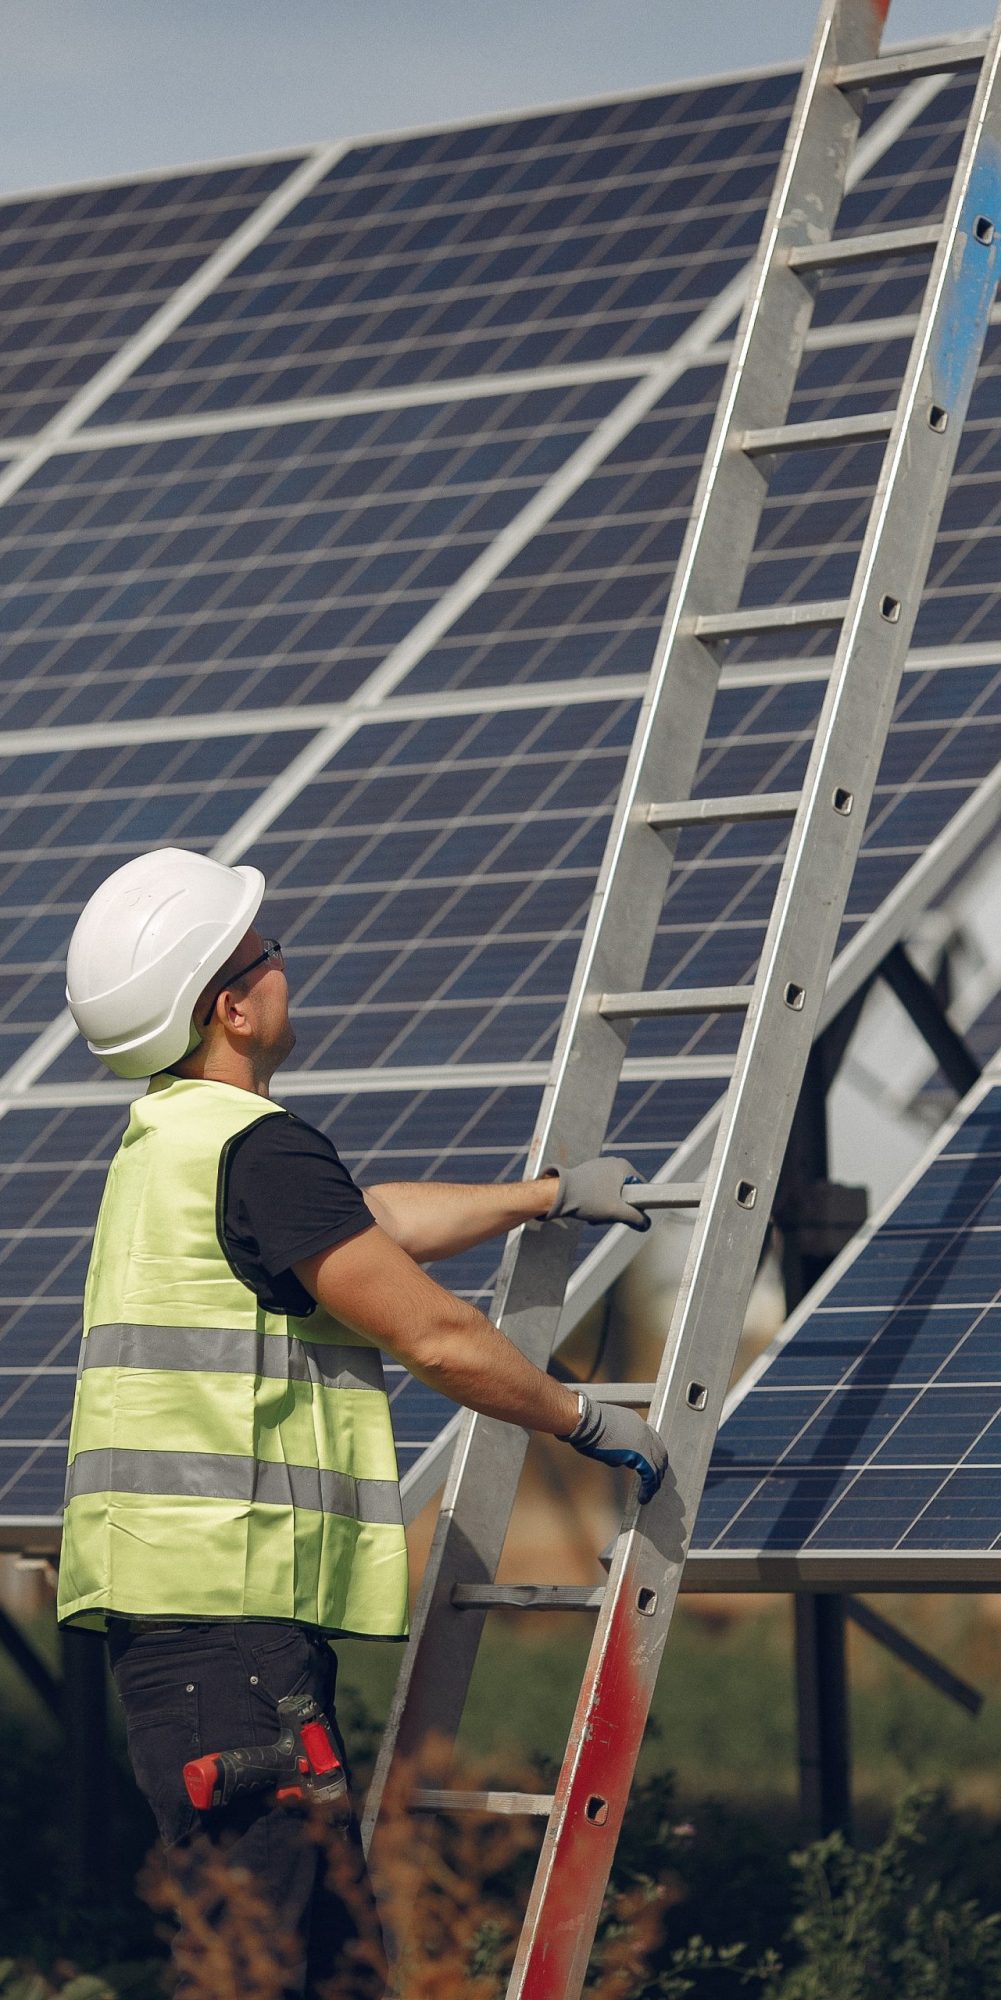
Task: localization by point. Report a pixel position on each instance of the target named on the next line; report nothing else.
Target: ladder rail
(799, 946)
(488, 1455)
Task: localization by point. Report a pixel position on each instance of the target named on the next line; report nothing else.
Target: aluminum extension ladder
(873, 628)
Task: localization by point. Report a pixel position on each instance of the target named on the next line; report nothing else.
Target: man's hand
(593, 1192)
(617, 1436)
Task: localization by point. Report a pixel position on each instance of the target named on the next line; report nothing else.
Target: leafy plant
(887, 1924)
(23, 1983)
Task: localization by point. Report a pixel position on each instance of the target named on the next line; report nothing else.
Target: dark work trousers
(188, 1690)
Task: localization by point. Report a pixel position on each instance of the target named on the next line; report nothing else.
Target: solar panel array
(82, 272)
(354, 566)
(874, 1432)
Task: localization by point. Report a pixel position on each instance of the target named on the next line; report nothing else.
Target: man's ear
(235, 1015)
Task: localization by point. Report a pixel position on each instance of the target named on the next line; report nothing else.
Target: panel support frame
(921, 1003)
(86, 1801)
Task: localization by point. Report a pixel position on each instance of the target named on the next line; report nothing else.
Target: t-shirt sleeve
(285, 1195)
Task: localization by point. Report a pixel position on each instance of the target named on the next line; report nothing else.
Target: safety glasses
(272, 949)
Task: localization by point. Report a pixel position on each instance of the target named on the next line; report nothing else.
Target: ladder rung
(802, 437)
(667, 1194)
(678, 1069)
(678, 1000)
(861, 249)
(638, 1395)
(719, 812)
(938, 61)
(531, 1596)
(528, 1804)
(775, 618)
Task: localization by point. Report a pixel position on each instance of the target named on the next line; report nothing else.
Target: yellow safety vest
(224, 1461)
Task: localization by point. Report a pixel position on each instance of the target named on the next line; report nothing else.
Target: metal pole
(822, 1718)
(32, 1666)
(822, 1713)
(85, 1721)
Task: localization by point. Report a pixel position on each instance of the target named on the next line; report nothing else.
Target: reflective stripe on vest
(241, 1350)
(213, 1476)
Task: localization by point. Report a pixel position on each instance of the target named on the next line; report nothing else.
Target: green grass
(723, 1716)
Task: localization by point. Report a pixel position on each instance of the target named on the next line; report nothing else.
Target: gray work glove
(617, 1436)
(593, 1192)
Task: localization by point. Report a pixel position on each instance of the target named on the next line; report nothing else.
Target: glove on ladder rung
(530, 1596)
(678, 1000)
(720, 812)
(940, 61)
(535, 1805)
(748, 620)
(802, 437)
(863, 249)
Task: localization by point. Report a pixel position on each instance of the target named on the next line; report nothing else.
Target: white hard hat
(145, 945)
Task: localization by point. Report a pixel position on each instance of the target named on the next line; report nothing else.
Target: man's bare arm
(432, 1219)
(371, 1284)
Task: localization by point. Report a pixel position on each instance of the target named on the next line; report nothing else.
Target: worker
(232, 1500)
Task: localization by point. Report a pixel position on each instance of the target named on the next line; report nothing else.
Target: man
(231, 1496)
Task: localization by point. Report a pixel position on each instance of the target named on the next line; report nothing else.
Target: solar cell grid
(48, 1202)
(449, 865)
(433, 881)
(585, 596)
(576, 244)
(877, 1424)
(67, 819)
(411, 263)
(815, 515)
(82, 271)
(910, 184)
(260, 567)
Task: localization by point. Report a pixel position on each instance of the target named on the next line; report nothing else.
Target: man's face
(263, 998)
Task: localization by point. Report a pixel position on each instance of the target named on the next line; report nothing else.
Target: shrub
(887, 1924)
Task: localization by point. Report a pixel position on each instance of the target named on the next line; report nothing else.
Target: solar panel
(68, 818)
(358, 571)
(867, 1445)
(258, 567)
(81, 272)
(570, 237)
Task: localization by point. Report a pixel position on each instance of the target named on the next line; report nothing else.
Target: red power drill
(302, 1763)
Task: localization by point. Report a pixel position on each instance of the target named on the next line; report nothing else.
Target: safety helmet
(145, 945)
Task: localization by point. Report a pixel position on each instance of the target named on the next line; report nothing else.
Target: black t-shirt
(284, 1195)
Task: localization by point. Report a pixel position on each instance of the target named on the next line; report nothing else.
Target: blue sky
(94, 87)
